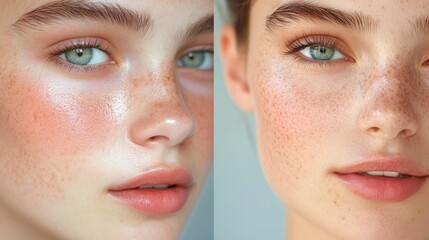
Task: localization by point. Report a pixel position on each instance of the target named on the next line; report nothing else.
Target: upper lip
(177, 176)
(385, 163)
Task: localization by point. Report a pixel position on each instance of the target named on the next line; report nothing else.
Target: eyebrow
(63, 10)
(421, 25)
(205, 24)
(301, 10)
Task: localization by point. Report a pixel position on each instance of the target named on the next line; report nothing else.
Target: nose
(163, 118)
(387, 111)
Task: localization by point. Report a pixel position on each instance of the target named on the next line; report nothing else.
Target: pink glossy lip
(378, 188)
(155, 201)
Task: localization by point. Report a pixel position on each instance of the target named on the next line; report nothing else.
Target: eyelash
(309, 40)
(68, 45)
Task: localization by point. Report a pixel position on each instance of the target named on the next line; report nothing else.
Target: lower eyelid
(64, 65)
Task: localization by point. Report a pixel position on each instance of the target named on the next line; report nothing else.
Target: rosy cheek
(49, 118)
(293, 124)
(49, 134)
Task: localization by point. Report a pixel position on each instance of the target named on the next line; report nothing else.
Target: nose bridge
(165, 119)
(387, 109)
(389, 93)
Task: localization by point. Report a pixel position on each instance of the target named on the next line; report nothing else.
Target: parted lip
(172, 176)
(385, 163)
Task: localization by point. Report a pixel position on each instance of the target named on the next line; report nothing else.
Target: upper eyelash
(303, 42)
(73, 44)
(200, 49)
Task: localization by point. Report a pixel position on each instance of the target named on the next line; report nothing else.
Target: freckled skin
(312, 119)
(66, 139)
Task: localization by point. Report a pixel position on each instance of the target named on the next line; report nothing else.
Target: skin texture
(68, 136)
(313, 118)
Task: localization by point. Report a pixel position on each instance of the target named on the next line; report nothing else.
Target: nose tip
(168, 127)
(390, 125)
(168, 131)
(387, 111)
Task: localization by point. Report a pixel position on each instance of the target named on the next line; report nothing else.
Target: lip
(378, 188)
(155, 201)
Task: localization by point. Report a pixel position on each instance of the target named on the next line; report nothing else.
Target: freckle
(11, 83)
(35, 116)
(136, 82)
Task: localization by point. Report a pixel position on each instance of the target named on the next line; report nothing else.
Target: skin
(312, 119)
(68, 136)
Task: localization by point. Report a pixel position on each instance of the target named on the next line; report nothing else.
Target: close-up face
(340, 94)
(106, 116)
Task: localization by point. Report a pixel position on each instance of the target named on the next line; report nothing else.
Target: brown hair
(240, 11)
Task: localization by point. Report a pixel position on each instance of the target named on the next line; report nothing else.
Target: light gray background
(245, 207)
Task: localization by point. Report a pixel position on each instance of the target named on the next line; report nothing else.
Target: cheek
(293, 124)
(45, 134)
(200, 147)
(48, 118)
(197, 91)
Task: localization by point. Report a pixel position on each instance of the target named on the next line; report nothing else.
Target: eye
(201, 59)
(321, 53)
(84, 56)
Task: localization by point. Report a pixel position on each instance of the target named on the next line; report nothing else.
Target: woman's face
(339, 91)
(97, 100)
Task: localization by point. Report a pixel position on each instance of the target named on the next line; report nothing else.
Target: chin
(371, 226)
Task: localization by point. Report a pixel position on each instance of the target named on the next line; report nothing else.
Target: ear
(234, 69)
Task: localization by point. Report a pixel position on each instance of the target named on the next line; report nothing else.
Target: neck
(298, 228)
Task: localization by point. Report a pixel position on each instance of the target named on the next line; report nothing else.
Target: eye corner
(425, 63)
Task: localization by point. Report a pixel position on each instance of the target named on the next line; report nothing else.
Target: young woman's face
(340, 90)
(98, 99)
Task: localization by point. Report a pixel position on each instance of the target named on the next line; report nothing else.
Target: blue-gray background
(245, 207)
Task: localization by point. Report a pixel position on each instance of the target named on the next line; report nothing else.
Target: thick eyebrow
(63, 10)
(301, 10)
(203, 25)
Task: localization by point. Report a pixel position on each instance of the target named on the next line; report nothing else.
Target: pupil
(79, 52)
(191, 56)
(323, 50)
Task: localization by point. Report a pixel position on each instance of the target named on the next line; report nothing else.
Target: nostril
(406, 132)
(374, 129)
(157, 139)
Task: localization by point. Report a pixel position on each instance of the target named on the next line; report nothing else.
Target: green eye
(196, 59)
(321, 53)
(84, 56)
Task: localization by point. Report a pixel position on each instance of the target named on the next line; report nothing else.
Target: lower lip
(154, 201)
(382, 188)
